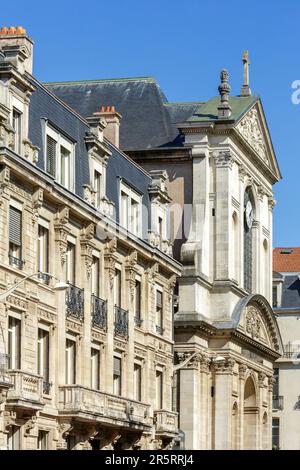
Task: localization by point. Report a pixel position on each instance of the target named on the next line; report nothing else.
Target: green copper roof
(208, 111)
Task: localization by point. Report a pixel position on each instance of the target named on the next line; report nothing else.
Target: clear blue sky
(184, 45)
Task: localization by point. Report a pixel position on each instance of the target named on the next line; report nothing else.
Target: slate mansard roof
(46, 107)
(148, 119)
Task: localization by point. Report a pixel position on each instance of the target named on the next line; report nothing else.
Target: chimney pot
(17, 42)
(11, 30)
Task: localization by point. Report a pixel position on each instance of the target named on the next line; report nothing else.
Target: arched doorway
(250, 415)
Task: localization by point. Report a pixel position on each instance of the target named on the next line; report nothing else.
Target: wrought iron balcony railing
(75, 302)
(44, 277)
(291, 351)
(99, 312)
(277, 402)
(121, 321)
(19, 263)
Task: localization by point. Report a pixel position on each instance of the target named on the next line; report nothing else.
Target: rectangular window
(13, 438)
(70, 263)
(159, 389)
(95, 369)
(137, 298)
(275, 433)
(95, 276)
(97, 188)
(130, 209)
(70, 362)
(51, 156)
(17, 126)
(117, 376)
(137, 372)
(43, 354)
(118, 288)
(15, 237)
(159, 312)
(43, 251)
(42, 440)
(59, 157)
(14, 343)
(275, 300)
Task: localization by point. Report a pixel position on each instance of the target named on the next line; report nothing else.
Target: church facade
(221, 168)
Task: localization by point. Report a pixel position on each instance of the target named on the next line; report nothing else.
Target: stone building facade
(221, 168)
(286, 395)
(86, 276)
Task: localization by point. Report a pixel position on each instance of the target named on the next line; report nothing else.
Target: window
(15, 237)
(130, 209)
(70, 362)
(13, 438)
(95, 369)
(17, 126)
(160, 230)
(137, 372)
(42, 440)
(117, 288)
(43, 354)
(97, 188)
(137, 299)
(60, 158)
(95, 276)
(275, 433)
(159, 312)
(43, 252)
(275, 298)
(70, 263)
(117, 375)
(14, 343)
(159, 389)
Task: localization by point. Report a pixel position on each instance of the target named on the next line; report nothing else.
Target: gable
(252, 129)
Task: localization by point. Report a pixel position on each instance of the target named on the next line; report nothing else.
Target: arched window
(248, 243)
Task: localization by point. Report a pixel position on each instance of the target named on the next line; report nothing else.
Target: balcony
(86, 404)
(277, 402)
(5, 382)
(121, 322)
(166, 422)
(16, 262)
(99, 312)
(75, 302)
(291, 351)
(26, 391)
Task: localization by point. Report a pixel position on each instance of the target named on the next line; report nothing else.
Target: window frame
(127, 212)
(69, 145)
(117, 377)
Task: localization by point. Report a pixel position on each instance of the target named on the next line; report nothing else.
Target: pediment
(253, 130)
(255, 319)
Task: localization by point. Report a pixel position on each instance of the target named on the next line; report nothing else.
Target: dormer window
(130, 209)
(60, 158)
(97, 188)
(17, 126)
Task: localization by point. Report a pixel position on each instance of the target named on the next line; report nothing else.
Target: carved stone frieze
(243, 369)
(110, 260)
(61, 232)
(224, 365)
(131, 271)
(37, 203)
(251, 131)
(87, 246)
(224, 159)
(252, 322)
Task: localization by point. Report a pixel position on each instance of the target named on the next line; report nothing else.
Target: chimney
(112, 118)
(17, 47)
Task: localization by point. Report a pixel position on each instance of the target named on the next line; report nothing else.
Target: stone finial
(224, 109)
(245, 90)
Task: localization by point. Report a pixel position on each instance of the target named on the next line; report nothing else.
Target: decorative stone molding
(243, 369)
(13, 300)
(61, 232)
(224, 366)
(170, 287)
(86, 238)
(110, 260)
(271, 382)
(196, 360)
(250, 129)
(131, 271)
(152, 273)
(252, 322)
(29, 426)
(224, 159)
(271, 203)
(46, 315)
(4, 181)
(242, 173)
(37, 203)
(261, 379)
(74, 326)
(9, 419)
(31, 152)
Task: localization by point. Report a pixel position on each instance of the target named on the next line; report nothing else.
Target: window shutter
(15, 225)
(51, 155)
(117, 366)
(158, 298)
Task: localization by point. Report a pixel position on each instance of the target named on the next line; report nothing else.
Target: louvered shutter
(117, 366)
(15, 226)
(51, 155)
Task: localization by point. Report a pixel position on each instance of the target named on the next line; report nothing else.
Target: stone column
(242, 376)
(223, 370)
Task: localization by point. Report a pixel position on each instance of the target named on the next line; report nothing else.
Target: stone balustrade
(26, 390)
(166, 422)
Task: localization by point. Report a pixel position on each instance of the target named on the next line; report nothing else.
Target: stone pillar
(242, 376)
(223, 403)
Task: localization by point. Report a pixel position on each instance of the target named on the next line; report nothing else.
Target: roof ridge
(183, 103)
(100, 80)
